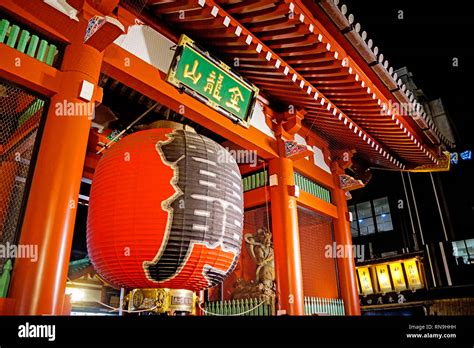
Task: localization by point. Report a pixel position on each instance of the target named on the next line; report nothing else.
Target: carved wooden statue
(260, 248)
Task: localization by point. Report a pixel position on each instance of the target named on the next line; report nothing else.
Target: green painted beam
(30, 111)
(4, 25)
(52, 50)
(23, 41)
(41, 54)
(32, 46)
(13, 35)
(5, 279)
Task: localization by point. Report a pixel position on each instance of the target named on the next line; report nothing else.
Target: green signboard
(211, 81)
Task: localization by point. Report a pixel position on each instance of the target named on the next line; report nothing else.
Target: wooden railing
(257, 307)
(259, 179)
(323, 306)
(247, 307)
(255, 180)
(21, 40)
(309, 186)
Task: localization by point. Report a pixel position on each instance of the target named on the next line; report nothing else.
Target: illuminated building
(294, 89)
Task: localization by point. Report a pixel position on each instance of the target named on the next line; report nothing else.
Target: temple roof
(315, 57)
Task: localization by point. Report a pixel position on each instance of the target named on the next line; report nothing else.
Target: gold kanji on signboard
(235, 98)
(192, 74)
(212, 87)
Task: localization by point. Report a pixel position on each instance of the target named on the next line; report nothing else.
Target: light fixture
(77, 295)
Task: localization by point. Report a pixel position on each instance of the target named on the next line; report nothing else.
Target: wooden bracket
(102, 31)
(293, 150)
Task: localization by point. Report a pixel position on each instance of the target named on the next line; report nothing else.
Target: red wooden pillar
(345, 265)
(38, 287)
(286, 241)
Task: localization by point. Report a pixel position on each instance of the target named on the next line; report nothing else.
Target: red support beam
(345, 264)
(152, 83)
(318, 205)
(286, 241)
(24, 70)
(38, 288)
(257, 197)
(41, 16)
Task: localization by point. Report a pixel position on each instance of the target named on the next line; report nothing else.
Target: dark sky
(431, 34)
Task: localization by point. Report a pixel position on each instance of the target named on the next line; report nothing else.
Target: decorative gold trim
(171, 78)
(212, 104)
(224, 66)
(162, 300)
(186, 41)
(443, 166)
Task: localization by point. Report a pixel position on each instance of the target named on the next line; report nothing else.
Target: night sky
(426, 41)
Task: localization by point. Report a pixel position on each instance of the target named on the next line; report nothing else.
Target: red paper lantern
(165, 211)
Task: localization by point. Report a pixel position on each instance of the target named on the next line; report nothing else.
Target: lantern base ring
(162, 301)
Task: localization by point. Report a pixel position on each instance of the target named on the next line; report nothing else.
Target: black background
(283, 331)
(426, 40)
(431, 34)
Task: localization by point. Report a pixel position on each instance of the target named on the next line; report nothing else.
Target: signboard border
(171, 78)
